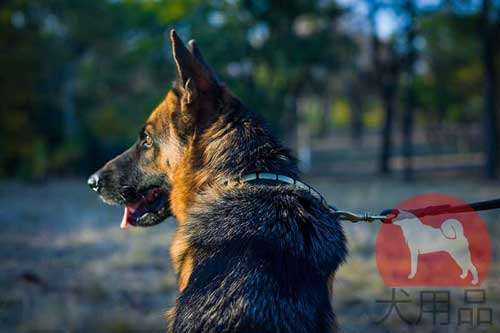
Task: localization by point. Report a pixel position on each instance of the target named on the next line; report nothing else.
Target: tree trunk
(386, 148)
(387, 78)
(410, 98)
(356, 105)
(68, 102)
(490, 98)
(407, 129)
(291, 120)
(303, 136)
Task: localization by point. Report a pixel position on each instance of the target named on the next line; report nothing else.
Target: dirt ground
(65, 265)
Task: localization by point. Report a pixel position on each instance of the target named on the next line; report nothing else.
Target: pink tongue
(125, 224)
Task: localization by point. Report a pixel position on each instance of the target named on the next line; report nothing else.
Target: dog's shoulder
(262, 256)
(285, 219)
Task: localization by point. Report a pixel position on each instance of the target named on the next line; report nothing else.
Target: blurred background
(380, 99)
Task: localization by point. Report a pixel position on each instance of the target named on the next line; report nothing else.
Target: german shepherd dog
(250, 256)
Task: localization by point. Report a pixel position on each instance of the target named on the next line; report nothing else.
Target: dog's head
(141, 177)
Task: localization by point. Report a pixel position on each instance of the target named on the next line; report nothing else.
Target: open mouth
(149, 209)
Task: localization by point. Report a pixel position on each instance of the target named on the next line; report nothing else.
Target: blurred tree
(297, 46)
(479, 23)
(450, 89)
(27, 128)
(489, 29)
(409, 10)
(83, 71)
(357, 91)
(77, 77)
(386, 66)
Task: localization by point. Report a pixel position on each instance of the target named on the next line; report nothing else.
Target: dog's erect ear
(193, 73)
(196, 52)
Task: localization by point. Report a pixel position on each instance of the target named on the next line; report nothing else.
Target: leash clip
(354, 218)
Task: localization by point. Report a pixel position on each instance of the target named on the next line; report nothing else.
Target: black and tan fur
(250, 257)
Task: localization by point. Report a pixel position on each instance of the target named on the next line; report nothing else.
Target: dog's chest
(182, 260)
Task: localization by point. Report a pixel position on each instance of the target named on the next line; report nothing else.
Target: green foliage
(74, 72)
(79, 77)
(451, 89)
(341, 113)
(373, 116)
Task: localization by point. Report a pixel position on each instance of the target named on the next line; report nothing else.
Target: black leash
(387, 215)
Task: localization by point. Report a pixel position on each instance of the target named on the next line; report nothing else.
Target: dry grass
(65, 266)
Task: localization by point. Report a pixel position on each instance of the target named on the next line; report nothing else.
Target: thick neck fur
(234, 144)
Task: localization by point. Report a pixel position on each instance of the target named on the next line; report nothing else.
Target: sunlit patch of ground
(65, 266)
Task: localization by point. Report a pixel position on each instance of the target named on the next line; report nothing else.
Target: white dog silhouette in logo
(449, 237)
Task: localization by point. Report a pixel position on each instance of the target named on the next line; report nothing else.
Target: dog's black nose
(94, 182)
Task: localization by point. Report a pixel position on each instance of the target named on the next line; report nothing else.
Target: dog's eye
(148, 141)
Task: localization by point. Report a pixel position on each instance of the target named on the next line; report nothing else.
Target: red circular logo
(450, 249)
